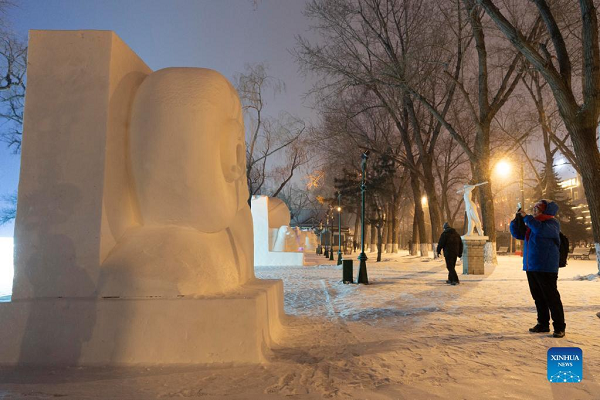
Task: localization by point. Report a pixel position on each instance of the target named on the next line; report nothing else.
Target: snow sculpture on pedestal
(471, 210)
(133, 238)
(275, 243)
(473, 253)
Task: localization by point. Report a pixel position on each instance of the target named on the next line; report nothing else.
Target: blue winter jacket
(540, 251)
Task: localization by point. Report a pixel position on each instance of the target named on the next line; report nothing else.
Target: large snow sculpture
(133, 238)
(275, 243)
(188, 166)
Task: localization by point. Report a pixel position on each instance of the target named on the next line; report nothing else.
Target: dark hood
(551, 208)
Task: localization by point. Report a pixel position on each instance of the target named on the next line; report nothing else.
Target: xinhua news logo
(565, 364)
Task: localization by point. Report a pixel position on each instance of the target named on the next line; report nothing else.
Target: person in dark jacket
(540, 234)
(451, 242)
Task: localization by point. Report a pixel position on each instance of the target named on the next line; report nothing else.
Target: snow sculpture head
(187, 149)
(188, 164)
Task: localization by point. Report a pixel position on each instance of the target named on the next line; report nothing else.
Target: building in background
(574, 189)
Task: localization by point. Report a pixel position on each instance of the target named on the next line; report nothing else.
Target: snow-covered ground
(408, 335)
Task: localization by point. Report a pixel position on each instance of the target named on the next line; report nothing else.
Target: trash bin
(347, 271)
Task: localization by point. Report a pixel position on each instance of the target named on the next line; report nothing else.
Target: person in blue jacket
(540, 233)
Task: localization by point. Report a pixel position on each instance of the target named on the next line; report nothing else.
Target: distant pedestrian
(451, 242)
(540, 233)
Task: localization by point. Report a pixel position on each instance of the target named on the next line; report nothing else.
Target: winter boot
(540, 329)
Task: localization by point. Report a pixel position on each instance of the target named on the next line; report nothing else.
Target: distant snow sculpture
(471, 210)
(275, 243)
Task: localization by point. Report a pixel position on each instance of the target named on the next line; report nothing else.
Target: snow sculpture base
(473, 257)
(129, 331)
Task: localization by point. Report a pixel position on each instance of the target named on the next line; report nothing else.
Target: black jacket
(451, 242)
(519, 226)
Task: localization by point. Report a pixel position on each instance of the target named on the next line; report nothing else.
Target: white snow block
(237, 328)
(133, 237)
(275, 243)
(74, 194)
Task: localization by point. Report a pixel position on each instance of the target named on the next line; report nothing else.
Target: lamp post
(320, 247)
(339, 260)
(503, 168)
(522, 186)
(362, 269)
(327, 226)
(331, 237)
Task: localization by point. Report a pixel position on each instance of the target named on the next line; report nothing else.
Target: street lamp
(362, 269)
(504, 168)
(331, 236)
(320, 248)
(339, 209)
(327, 226)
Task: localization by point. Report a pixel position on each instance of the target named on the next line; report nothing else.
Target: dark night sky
(219, 34)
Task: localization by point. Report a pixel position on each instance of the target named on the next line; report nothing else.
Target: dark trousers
(451, 266)
(547, 299)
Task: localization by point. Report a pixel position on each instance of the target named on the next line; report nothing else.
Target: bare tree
(579, 111)
(451, 173)
(367, 44)
(380, 44)
(303, 205)
(13, 64)
(9, 212)
(274, 150)
(491, 90)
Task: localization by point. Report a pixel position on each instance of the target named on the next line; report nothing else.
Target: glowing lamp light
(339, 209)
(503, 168)
(424, 201)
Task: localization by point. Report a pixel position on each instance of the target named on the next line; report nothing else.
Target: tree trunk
(435, 211)
(388, 227)
(588, 157)
(373, 237)
(385, 230)
(414, 248)
(395, 223)
(419, 214)
(486, 202)
(367, 237)
(379, 241)
(357, 231)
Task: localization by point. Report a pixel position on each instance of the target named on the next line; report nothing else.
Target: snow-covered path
(408, 335)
